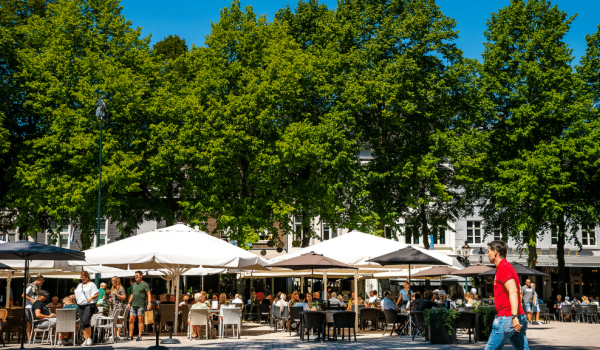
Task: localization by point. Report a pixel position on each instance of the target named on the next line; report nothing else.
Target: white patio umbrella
(356, 248)
(173, 250)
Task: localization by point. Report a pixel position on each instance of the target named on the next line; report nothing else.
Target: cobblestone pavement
(556, 335)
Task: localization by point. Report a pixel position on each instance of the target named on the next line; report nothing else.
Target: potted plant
(440, 323)
(485, 321)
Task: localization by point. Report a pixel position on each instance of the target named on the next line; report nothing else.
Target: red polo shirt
(505, 272)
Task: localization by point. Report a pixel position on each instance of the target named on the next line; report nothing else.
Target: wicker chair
(343, 320)
(419, 320)
(3, 315)
(313, 320)
(263, 311)
(295, 315)
(368, 314)
(468, 321)
(66, 322)
(544, 315)
(199, 317)
(167, 314)
(565, 310)
(591, 311)
(230, 316)
(390, 320)
(279, 314)
(35, 328)
(15, 324)
(185, 311)
(109, 324)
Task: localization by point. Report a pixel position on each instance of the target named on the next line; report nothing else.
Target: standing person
(260, 295)
(139, 292)
(86, 294)
(130, 288)
(405, 295)
(527, 299)
(31, 296)
(536, 306)
(511, 322)
(118, 295)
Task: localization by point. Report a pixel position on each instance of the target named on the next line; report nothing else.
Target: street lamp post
(101, 114)
(466, 252)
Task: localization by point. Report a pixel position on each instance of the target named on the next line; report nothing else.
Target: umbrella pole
(355, 299)
(23, 330)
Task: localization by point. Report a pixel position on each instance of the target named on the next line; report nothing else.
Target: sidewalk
(556, 335)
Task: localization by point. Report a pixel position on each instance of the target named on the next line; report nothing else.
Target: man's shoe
(128, 339)
(138, 339)
(64, 342)
(538, 323)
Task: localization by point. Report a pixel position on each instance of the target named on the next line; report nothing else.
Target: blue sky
(191, 19)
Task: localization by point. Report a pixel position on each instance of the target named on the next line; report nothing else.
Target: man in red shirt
(511, 322)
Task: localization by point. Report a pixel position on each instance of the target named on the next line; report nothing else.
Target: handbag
(149, 317)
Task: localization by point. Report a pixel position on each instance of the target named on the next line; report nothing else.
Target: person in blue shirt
(536, 306)
(388, 304)
(302, 302)
(405, 295)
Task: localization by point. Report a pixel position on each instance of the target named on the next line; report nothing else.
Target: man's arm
(149, 299)
(510, 287)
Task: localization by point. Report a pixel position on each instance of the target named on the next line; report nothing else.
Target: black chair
(468, 321)
(544, 315)
(390, 319)
(368, 314)
(295, 315)
(419, 320)
(565, 310)
(591, 311)
(343, 320)
(313, 320)
(264, 310)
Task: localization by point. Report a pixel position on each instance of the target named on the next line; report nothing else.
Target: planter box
(481, 327)
(438, 335)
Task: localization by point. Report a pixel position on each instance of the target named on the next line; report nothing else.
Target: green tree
(82, 50)
(402, 91)
(518, 148)
(171, 47)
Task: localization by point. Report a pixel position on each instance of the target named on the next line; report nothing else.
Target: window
(411, 231)
(588, 234)
(64, 241)
(63, 235)
(297, 228)
(474, 232)
(326, 232)
(439, 234)
(499, 236)
(10, 234)
(388, 232)
(554, 237)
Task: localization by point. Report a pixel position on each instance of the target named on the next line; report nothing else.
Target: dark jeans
(86, 312)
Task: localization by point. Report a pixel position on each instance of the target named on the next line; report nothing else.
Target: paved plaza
(556, 335)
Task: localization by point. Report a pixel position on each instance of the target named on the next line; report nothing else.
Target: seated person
(67, 338)
(309, 298)
(334, 301)
(200, 304)
(445, 301)
(317, 297)
(302, 302)
(388, 304)
(427, 302)
(238, 300)
(341, 300)
(415, 303)
(372, 298)
(41, 312)
(266, 299)
(168, 300)
(585, 300)
(54, 303)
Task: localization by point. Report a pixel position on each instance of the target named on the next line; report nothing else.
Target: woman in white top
(86, 294)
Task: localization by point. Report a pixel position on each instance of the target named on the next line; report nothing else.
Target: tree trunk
(560, 255)
(424, 226)
(305, 230)
(531, 249)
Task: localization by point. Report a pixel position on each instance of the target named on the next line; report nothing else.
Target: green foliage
(171, 47)
(487, 315)
(439, 317)
(518, 150)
